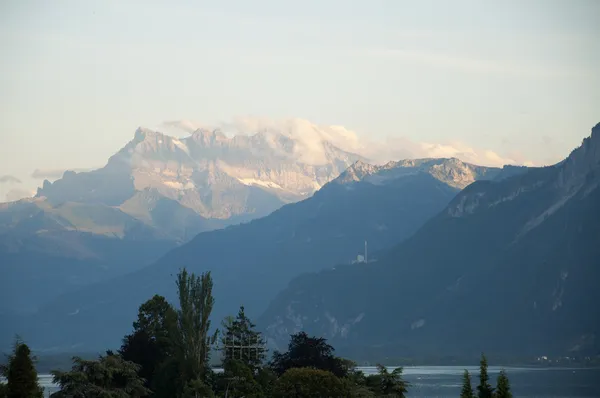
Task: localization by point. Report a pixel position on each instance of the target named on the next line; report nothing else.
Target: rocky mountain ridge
(214, 175)
(510, 266)
(157, 191)
(257, 259)
(451, 171)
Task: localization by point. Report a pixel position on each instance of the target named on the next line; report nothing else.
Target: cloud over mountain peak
(310, 139)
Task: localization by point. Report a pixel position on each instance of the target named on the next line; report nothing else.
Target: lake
(445, 381)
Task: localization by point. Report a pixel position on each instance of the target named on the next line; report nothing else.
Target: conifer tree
(467, 388)
(21, 376)
(484, 389)
(242, 342)
(503, 386)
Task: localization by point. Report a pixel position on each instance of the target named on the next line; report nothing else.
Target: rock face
(452, 172)
(510, 266)
(251, 262)
(154, 194)
(245, 176)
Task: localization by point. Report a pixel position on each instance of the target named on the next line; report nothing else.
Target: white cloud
(310, 137)
(179, 128)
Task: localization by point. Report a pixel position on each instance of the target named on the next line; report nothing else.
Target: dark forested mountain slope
(510, 266)
(48, 250)
(253, 261)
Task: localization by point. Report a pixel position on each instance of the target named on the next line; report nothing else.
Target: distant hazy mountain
(253, 261)
(510, 266)
(48, 250)
(90, 226)
(213, 175)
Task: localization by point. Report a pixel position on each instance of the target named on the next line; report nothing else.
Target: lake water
(445, 381)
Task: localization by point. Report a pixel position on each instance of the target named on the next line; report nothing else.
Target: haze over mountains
(510, 266)
(252, 262)
(155, 193)
(455, 249)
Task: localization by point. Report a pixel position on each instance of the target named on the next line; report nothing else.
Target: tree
(391, 383)
(503, 386)
(356, 383)
(266, 378)
(240, 341)
(308, 382)
(192, 342)
(108, 377)
(150, 344)
(484, 389)
(314, 352)
(197, 389)
(467, 388)
(238, 380)
(21, 376)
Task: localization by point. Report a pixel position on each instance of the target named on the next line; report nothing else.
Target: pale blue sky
(518, 77)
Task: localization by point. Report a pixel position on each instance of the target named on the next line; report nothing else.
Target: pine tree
(242, 342)
(467, 388)
(20, 373)
(484, 389)
(503, 386)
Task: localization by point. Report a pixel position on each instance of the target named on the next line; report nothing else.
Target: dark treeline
(168, 354)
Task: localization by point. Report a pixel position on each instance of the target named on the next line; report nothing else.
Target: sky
(508, 81)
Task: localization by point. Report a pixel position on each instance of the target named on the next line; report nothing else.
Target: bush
(308, 383)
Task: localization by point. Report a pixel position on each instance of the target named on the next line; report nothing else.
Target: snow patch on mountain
(253, 181)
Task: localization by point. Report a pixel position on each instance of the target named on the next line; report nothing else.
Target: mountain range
(154, 194)
(461, 258)
(252, 261)
(510, 266)
(216, 176)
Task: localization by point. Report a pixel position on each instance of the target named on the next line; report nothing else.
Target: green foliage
(484, 389)
(467, 388)
(192, 343)
(307, 382)
(503, 386)
(240, 341)
(314, 352)
(356, 384)
(389, 383)
(266, 379)
(197, 388)
(3, 392)
(21, 376)
(238, 380)
(150, 344)
(108, 377)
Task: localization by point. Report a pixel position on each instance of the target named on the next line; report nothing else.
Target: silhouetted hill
(253, 261)
(510, 266)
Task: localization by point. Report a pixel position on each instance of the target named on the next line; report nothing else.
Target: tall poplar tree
(192, 340)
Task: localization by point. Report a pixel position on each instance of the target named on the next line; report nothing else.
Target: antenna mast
(366, 253)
